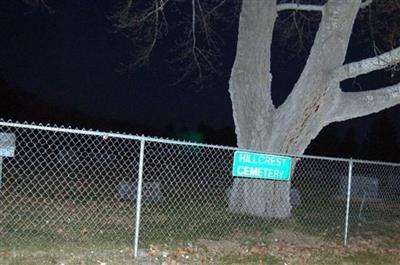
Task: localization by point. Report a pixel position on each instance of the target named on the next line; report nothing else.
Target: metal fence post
(346, 229)
(138, 200)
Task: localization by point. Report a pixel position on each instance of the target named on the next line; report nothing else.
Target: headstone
(7, 149)
(69, 157)
(362, 187)
(151, 191)
(295, 197)
(7, 144)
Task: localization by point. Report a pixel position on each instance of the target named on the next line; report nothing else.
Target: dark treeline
(20, 105)
(380, 142)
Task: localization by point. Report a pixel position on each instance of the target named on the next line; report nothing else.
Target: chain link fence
(67, 188)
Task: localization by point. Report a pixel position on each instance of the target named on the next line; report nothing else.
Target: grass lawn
(44, 231)
(357, 259)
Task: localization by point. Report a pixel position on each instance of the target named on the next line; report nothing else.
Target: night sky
(70, 59)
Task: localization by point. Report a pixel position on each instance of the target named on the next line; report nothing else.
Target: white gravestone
(7, 148)
(151, 191)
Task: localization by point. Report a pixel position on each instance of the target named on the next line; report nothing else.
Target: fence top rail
(70, 130)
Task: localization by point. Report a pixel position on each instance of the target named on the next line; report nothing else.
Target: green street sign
(261, 166)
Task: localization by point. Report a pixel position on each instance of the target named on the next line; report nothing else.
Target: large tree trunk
(309, 107)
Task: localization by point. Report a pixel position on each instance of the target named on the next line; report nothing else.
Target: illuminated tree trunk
(315, 101)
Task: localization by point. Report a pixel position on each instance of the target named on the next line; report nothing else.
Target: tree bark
(253, 111)
(291, 127)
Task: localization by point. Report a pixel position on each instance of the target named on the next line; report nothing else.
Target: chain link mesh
(80, 188)
(196, 182)
(63, 189)
(375, 200)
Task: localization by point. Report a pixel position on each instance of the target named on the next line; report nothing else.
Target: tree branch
(125, 20)
(196, 42)
(356, 104)
(250, 81)
(366, 3)
(299, 7)
(194, 47)
(327, 53)
(216, 7)
(365, 66)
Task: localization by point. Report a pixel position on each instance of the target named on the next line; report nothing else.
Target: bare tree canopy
(188, 27)
(191, 29)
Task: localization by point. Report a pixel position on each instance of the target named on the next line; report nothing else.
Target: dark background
(63, 67)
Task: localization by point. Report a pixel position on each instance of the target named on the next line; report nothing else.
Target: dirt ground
(282, 247)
